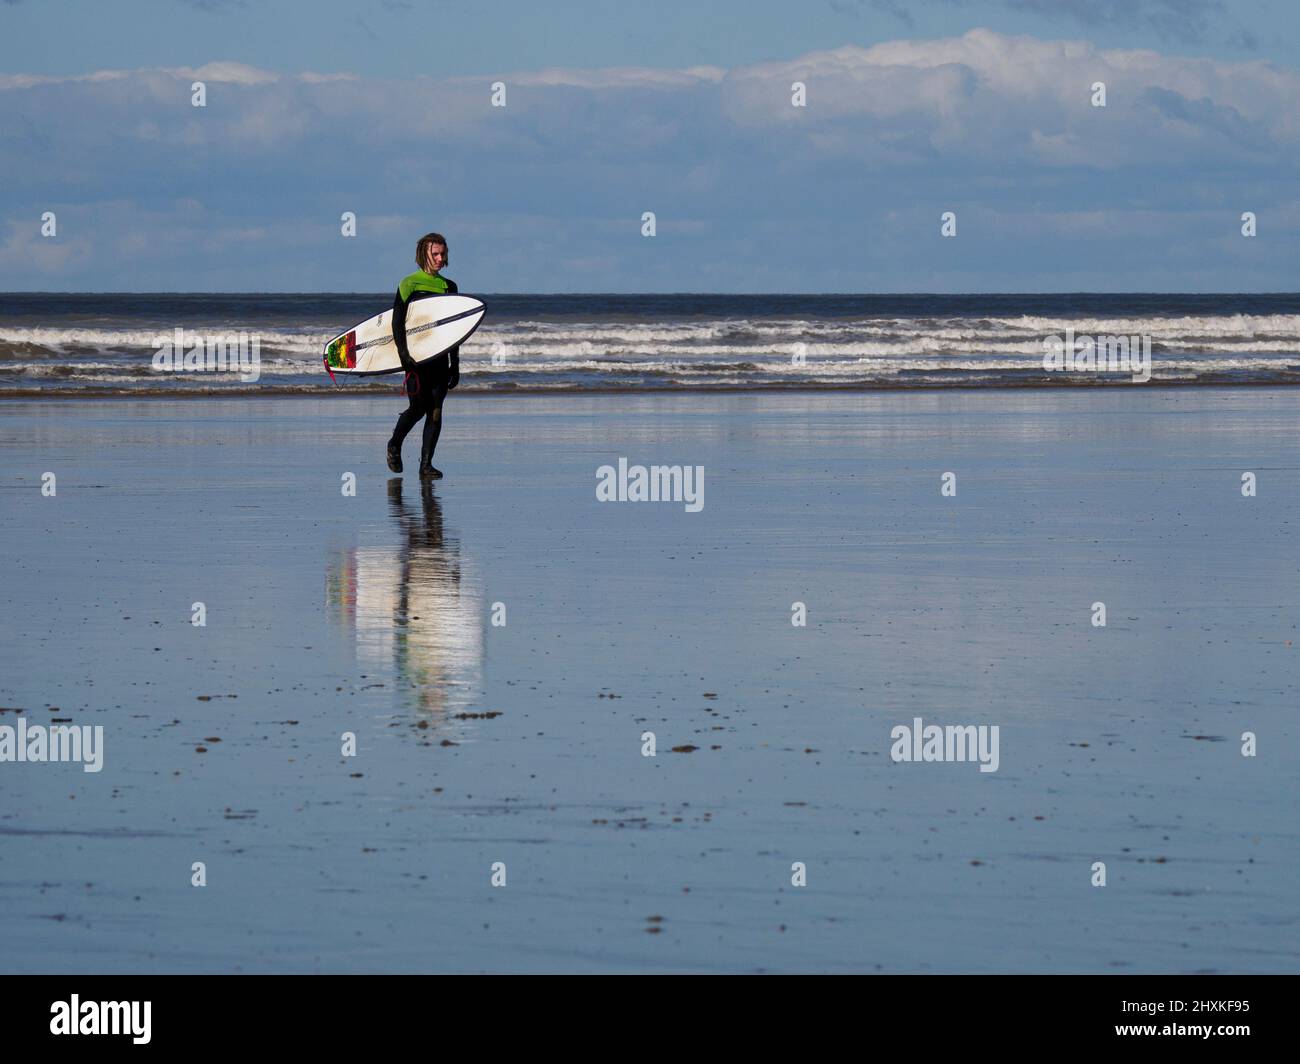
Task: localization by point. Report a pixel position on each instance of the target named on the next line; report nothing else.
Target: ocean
(60, 344)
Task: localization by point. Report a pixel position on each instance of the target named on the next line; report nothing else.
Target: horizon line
(784, 293)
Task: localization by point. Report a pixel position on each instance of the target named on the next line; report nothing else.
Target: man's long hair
(422, 248)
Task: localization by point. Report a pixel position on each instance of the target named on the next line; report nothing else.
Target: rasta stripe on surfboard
(342, 352)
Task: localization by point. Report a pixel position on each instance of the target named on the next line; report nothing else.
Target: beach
(500, 814)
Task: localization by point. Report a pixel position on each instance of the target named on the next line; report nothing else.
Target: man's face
(435, 258)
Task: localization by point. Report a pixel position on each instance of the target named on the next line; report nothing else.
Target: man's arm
(399, 332)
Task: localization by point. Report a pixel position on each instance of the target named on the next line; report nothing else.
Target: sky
(386, 110)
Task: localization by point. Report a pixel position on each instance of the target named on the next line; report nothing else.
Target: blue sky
(383, 108)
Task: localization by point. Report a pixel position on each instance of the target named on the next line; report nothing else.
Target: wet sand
(372, 615)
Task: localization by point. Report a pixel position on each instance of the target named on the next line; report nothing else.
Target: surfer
(427, 383)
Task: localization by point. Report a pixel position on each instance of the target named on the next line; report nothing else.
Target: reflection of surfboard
(434, 325)
(413, 609)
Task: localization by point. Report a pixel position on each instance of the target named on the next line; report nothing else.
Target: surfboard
(434, 325)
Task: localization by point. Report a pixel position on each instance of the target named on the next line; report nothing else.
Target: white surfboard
(434, 325)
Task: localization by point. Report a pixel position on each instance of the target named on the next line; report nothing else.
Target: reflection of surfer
(415, 606)
(425, 553)
(427, 383)
(438, 638)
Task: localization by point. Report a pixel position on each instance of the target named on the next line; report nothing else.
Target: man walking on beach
(428, 382)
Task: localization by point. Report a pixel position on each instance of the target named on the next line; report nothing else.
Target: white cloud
(718, 154)
(960, 96)
(26, 254)
(616, 78)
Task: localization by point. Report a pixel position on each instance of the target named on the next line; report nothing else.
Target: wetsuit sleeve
(399, 332)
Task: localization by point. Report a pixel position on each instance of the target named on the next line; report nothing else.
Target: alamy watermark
(638, 483)
(54, 742)
(192, 352)
(1098, 354)
(102, 1017)
(950, 742)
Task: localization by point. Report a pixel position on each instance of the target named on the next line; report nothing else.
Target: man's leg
(415, 409)
(432, 429)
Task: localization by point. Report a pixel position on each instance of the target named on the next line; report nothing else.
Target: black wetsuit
(427, 383)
